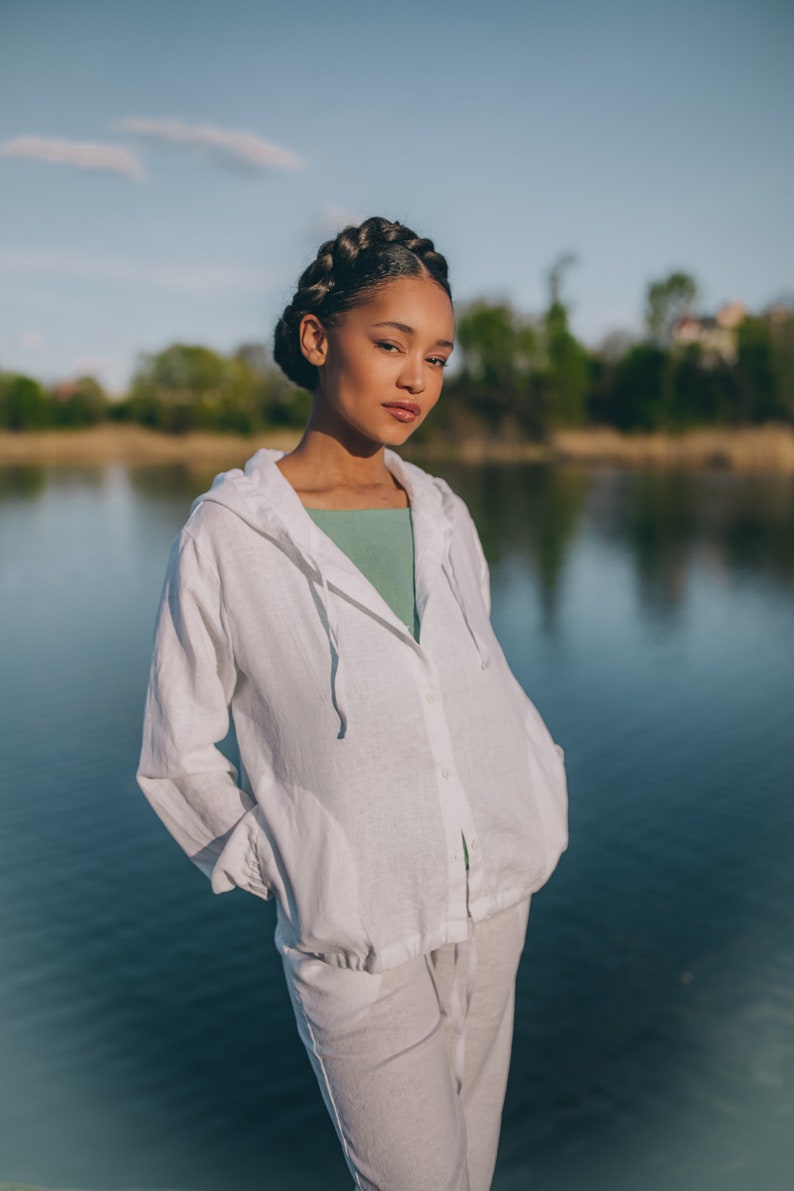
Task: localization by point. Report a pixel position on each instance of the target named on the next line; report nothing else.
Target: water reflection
(181, 480)
(731, 523)
(534, 513)
(665, 521)
(22, 482)
(655, 959)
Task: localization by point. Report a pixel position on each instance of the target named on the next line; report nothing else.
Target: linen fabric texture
(365, 754)
(384, 1049)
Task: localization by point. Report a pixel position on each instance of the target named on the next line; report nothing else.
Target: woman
(398, 793)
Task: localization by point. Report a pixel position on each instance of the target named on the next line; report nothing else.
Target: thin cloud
(335, 217)
(239, 148)
(193, 279)
(85, 155)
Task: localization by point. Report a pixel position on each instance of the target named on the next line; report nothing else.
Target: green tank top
(380, 542)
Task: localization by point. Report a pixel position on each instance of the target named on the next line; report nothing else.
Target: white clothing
(383, 1048)
(365, 754)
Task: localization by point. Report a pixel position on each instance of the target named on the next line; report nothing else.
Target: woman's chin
(365, 438)
(397, 433)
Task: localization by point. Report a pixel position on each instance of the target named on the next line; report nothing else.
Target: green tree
(759, 396)
(82, 402)
(189, 387)
(643, 393)
(704, 394)
(556, 274)
(666, 301)
(497, 347)
(780, 318)
(23, 403)
(565, 378)
(277, 401)
(185, 387)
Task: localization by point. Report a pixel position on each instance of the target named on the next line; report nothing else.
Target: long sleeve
(191, 785)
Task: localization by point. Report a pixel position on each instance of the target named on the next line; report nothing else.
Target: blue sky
(642, 137)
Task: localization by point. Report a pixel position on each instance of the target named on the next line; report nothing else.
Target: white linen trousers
(412, 1062)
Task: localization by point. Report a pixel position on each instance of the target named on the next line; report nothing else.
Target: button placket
(453, 802)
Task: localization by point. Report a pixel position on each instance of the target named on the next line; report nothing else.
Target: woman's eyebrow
(410, 331)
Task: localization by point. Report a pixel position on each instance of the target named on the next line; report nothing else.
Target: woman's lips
(403, 411)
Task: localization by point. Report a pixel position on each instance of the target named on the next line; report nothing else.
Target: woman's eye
(439, 361)
(389, 347)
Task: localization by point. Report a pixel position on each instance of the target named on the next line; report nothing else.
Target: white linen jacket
(365, 755)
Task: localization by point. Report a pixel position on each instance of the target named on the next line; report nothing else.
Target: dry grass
(763, 448)
(134, 444)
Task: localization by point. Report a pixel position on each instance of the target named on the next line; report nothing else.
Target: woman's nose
(412, 376)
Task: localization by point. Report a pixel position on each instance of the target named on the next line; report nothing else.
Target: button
(473, 845)
(431, 697)
(446, 772)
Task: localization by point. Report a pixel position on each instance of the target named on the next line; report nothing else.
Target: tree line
(516, 375)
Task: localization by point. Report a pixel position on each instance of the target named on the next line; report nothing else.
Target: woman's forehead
(417, 303)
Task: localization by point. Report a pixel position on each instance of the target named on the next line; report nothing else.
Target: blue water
(145, 1034)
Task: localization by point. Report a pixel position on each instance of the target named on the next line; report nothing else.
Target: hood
(261, 496)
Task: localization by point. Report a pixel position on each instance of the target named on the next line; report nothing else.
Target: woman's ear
(313, 339)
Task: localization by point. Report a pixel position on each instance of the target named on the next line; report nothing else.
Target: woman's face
(381, 366)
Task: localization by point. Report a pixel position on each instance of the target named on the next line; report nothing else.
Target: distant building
(715, 334)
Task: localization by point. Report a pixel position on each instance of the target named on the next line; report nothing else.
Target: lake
(145, 1030)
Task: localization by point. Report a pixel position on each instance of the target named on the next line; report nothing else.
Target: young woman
(398, 793)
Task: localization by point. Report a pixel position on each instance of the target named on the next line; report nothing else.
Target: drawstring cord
(332, 629)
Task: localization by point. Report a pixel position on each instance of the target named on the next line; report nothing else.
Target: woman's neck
(326, 474)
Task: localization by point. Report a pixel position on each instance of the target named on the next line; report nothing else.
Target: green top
(380, 542)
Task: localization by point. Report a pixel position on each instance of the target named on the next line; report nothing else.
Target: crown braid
(343, 274)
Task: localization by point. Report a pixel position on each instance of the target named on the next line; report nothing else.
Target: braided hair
(343, 275)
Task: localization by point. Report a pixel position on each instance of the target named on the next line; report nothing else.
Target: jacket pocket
(549, 789)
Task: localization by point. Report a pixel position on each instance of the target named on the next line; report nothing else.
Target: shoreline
(760, 449)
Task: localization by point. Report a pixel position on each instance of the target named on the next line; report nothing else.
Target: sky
(168, 168)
